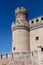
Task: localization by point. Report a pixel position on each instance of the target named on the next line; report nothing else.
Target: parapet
(36, 23)
(16, 26)
(17, 55)
(21, 10)
(23, 58)
(32, 24)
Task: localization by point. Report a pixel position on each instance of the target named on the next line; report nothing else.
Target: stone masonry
(27, 40)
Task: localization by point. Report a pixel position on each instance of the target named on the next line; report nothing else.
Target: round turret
(21, 13)
(21, 10)
(20, 31)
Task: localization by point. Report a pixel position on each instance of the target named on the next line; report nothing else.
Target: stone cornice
(32, 27)
(20, 27)
(36, 26)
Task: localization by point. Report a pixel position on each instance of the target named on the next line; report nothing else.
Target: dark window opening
(41, 48)
(41, 18)
(32, 22)
(37, 20)
(37, 38)
(1, 56)
(14, 48)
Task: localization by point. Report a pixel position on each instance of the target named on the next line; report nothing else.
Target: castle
(27, 40)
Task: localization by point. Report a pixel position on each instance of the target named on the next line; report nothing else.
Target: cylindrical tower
(20, 31)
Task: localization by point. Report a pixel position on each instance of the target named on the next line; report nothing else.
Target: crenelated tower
(20, 31)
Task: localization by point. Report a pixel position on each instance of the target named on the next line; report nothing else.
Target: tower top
(21, 10)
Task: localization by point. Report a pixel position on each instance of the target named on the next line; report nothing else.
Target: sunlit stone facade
(27, 40)
(20, 31)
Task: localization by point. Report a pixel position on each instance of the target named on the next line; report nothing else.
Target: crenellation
(23, 57)
(36, 21)
(27, 41)
(16, 55)
(21, 10)
(4, 56)
(0, 56)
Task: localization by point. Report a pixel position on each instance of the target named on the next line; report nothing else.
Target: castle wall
(21, 40)
(33, 41)
(36, 33)
(23, 58)
(20, 31)
(26, 36)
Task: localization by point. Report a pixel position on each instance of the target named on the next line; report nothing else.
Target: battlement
(13, 55)
(25, 40)
(22, 20)
(17, 55)
(21, 10)
(36, 23)
(23, 58)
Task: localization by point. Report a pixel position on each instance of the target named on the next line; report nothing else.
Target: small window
(37, 38)
(32, 22)
(14, 48)
(37, 20)
(41, 48)
(1, 56)
(41, 18)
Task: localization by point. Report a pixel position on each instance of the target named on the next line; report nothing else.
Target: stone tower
(20, 31)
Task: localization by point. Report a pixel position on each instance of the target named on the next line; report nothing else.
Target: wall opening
(32, 22)
(14, 48)
(41, 48)
(37, 20)
(41, 18)
(37, 38)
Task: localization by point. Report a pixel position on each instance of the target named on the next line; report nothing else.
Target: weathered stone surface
(24, 35)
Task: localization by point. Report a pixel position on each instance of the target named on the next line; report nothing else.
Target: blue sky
(7, 16)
